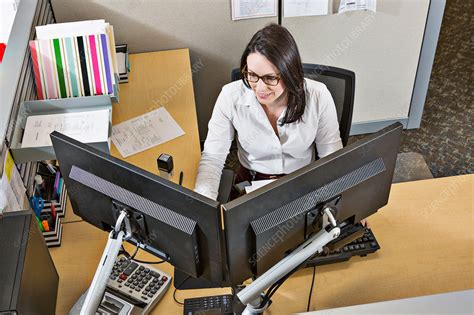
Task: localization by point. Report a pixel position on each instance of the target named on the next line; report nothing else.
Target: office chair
(341, 85)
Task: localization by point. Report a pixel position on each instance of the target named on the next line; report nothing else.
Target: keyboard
(219, 304)
(363, 242)
(139, 284)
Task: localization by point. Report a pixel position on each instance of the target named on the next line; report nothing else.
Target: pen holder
(54, 206)
(55, 193)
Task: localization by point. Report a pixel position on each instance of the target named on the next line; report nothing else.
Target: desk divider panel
(17, 74)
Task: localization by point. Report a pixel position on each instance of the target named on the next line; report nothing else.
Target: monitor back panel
(179, 222)
(263, 226)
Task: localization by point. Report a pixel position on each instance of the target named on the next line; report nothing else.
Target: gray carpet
(409, 167)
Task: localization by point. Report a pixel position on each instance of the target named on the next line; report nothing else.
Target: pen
(181, 175)
(45, 225)
(40, 224)
(50, 167)
(56, 185)
(53, 211)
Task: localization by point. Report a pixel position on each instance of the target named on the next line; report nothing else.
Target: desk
(160, 79)
(426, 233)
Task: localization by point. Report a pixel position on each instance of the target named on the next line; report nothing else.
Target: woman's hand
(365, 223)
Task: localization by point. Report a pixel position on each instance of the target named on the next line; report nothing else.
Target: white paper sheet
(12, 189)
(71, 29)
(8, 9)
(257, 184)
(353, 5)
(18, 188)
(8, 201)
(144, 132)
(249, 9)
(293, 8)
(3, 199)
(87, 127)
(122, 67)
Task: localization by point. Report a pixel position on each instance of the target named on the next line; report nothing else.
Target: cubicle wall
(205, 27)
(16, 73)
(383, 48)
(391, 52)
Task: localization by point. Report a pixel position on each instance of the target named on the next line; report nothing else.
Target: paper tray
(56, 106)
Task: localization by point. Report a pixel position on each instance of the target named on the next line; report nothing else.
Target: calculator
(139, 284)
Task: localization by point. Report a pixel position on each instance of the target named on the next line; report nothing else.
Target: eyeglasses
(251, 77)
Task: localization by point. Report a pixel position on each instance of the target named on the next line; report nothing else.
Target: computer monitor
(262, 227)
(169, 221)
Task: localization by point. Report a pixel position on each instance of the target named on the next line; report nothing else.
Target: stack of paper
(74, 59)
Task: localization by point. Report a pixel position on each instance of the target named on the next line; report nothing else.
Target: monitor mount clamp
(251, 296)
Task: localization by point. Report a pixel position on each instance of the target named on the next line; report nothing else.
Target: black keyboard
(363, 244)
(219, 304)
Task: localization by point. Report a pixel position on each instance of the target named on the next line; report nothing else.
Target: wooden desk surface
(426, 234)
(158, 79)
(162, 79)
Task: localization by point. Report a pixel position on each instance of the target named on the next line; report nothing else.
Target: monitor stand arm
(251, 295)
(114, 243)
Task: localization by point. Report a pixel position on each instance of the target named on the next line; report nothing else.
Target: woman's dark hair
(277, 44)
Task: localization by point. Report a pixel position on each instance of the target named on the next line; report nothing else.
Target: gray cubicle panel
(391, 52)
(215, 41)
(16, 73)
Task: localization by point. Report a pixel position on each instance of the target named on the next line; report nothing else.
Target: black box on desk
(123, 62)
(29, 280)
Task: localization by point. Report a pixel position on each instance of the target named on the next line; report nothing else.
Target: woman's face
(259, 65)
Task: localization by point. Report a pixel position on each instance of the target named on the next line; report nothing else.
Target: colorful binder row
(73, 67)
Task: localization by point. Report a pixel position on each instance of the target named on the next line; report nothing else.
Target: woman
(276, 114)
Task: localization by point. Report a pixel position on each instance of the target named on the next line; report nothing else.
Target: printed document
(293, 8)
(249, 9)
(144, 132)
(87, 127)
(353, 5)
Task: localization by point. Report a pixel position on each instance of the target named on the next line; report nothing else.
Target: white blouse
(237, 112)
